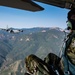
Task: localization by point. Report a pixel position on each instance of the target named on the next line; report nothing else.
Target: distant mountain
(5, 46)
(38, 41)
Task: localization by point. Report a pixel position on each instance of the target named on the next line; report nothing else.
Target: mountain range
(15, 47)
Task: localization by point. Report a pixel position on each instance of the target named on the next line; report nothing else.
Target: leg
(37, 66)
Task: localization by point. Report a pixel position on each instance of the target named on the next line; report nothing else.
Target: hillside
(38, 41)
(5, 46)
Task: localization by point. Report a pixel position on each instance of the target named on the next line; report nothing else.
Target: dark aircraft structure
(60, 3)
(21, 4)
(32, 6)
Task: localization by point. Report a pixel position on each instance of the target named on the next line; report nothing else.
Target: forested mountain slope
(38, 41)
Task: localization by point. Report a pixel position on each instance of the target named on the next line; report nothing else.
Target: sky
(50, 17)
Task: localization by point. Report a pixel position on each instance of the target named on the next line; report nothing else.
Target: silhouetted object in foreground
(37, 66)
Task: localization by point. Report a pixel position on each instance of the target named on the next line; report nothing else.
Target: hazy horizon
(50, 17)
